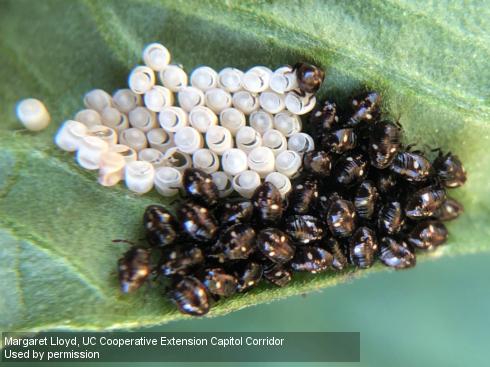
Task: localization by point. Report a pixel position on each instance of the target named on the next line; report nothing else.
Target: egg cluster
(362, 195)
(243, 128)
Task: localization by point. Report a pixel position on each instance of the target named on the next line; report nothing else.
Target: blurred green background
(436, 314)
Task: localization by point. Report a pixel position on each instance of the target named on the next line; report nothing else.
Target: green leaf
(57, 261)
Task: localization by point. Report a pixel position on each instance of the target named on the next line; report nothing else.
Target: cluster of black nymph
(362, 195)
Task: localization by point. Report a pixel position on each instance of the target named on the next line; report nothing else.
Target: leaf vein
(113, 31)
(19, 279)
(39, 244)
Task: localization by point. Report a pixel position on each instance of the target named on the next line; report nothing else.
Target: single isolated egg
(33, 114)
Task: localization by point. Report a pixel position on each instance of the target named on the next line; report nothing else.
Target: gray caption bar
(181, 347)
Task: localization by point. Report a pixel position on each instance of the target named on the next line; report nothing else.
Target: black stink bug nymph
(384, 143)
(248, 274)
(351, 169)
(219, 283)
(236, 242)
(311, 259)
(390, 217)
(232, 212)
(198, 222)
(302, 196)
(341, 218)
(275, 245)
(362, 247)
(324, 118)
(450, 209)
(365, 108)
(425, 202)
(180, 259)
(267, 203)
(411, 166)
(427, 235)
(450, 170)
(386, 181)
(304, 228)
(339, 260)
(324, 202)
(133, 268)
(161, 226)
(395, 254)
(200, 187)
(190, 296)
(277, 274)
(365, 199)
(340, 141)
(318, 163)
(309, 77)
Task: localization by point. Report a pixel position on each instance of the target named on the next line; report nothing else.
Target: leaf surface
(57, 261)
